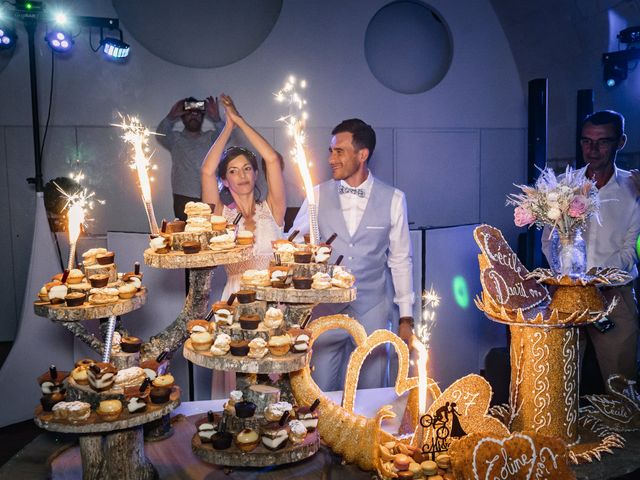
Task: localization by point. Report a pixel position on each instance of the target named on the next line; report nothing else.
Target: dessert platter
(204, 240)
(108, 408)
(260, 334)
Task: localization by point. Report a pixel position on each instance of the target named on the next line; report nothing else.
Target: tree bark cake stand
(112, 450)
(252, 375)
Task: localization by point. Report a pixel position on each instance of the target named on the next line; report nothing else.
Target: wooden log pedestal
(292, 295)
(202, 259)
(260, 457)
(112, 450)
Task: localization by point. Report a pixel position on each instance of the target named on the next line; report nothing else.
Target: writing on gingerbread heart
(503, 277)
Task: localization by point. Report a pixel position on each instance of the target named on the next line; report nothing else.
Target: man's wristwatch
(408, 320)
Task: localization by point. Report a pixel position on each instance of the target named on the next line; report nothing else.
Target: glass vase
(568, 254)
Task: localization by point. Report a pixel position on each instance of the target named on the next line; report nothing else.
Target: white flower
(552, 197)
(554, 213)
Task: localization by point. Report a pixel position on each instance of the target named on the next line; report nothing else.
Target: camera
(604, 325)
(194, 105)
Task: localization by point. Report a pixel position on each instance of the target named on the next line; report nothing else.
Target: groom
(370, 219)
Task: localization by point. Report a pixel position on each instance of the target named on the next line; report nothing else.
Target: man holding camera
(188, 147)
(611, 241)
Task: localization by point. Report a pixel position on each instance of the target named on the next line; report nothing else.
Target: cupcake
(302, 283)
(239, 348)
(274, 436)
(274, 411)
(245, 409)
(127, 291)
(218, 223)
(246, 296)
(159, 395)
(80, 376)
(165, 381)
(105, 258)
(221, 344)
(247, 440)
(130, 344)
(258, 348)
(249, 322)
(197, 325)
(89, 257)
(297, 431)
(221, 440)
(302, 257)
(75, 299)
(201, 341)
(279, 345)
(278, 278)
(191, 247)
(273, 318)
(99, 280)
(43, 294)
(175, 226)
(75, 276)
(57, 293)
(84, 363)
(109, 410)
(244, 237)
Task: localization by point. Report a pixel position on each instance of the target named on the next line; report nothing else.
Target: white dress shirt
(399, 257)
(612, 242)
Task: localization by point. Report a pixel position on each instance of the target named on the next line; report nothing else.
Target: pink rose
(522, 216)
(578, 206)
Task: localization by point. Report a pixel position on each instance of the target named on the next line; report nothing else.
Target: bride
(237, 168)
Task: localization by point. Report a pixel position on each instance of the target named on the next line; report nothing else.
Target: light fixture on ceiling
(114, 48)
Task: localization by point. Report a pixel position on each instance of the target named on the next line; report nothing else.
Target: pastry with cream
(222, 242)
(273, 318)
(279, 345)
(197, 209)
(89, 257)
(274, 411)
(274, 436)
(256, 278)
(235, 396)
(322, 254)
(321, 281)
(129, 377)
(160, 245)
(71, 411)
(258, 348)
(297, 431)
(221, 344)
(197, 225)
(102, 376)
(341, 278)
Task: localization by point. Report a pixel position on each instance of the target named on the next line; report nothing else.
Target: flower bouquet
(563, 203)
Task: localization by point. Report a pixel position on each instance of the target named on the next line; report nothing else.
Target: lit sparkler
(77, 204)
(295, 120)
(137, 135)
(430, 301)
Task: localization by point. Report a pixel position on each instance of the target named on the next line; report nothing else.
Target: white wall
(455, 150)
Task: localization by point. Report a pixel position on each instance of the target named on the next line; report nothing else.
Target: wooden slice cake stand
(202, 259)
(112, 449)
(292, 295)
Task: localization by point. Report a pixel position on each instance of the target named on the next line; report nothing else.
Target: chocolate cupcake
(105, 258)
(191, 247)
(239, 348)
(130, 344)
(99, 280)
(249, 322)
(176, 226)
(247, 296)
(159, 395)
(302, 283)
(302, 257)
(245, 409)
(75, 299)
(221, 440)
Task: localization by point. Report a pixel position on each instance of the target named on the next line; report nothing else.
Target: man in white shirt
(370, 219)
(612, 241)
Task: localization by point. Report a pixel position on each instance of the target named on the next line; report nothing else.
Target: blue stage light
(7, 38)
(59, 41)
(115, 48)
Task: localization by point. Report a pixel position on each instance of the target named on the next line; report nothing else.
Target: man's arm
(627, 256)
(165, 128)
(400, 263)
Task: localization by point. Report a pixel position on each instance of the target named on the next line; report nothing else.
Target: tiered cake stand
(111, 450)
(252, 375)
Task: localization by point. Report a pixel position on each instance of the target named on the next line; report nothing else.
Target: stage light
(61, 19)
(114, 48)
(7, 38)
(615, 70)
(59, 41)
(629, 35)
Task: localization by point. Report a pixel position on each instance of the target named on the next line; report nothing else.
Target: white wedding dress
(265, 232)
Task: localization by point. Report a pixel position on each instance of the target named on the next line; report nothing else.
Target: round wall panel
(199, 33)
(408, 46)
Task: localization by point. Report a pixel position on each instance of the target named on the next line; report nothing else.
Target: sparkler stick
(295, 120)
(76, 205)
(137, 135)
(108, 338)
(430, 300)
